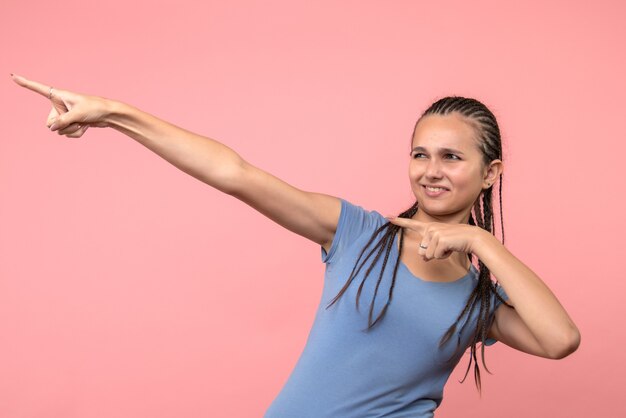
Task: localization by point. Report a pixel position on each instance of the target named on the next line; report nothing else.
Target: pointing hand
(440, 240)
(72, 113)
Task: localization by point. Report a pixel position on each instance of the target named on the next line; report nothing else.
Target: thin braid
(501, 218)
(385, 243)
(378, 254)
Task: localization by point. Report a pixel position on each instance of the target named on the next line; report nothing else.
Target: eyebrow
(452, 150)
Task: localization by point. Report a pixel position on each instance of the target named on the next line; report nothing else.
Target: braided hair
(482, 120)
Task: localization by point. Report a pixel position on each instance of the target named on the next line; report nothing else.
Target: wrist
(115, 113)
(482, 240)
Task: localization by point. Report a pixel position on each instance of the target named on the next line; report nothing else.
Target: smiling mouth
(434, 191)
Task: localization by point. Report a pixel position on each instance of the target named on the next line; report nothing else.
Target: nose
(433, 169)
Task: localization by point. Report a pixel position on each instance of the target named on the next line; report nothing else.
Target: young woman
(429, 269)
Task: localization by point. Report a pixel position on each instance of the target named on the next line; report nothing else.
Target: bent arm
(311, 215)
(539, 324)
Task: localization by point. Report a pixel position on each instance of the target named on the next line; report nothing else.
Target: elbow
(231, 177)
(570, 344)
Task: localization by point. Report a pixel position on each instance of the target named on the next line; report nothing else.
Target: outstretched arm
(311, 215)
(203, 158)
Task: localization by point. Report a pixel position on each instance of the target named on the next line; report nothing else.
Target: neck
(452, 218)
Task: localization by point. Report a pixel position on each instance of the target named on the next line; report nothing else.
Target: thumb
(62, 105)
(59, 122)
(60, 117)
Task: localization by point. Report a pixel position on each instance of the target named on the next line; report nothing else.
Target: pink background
(130, 289)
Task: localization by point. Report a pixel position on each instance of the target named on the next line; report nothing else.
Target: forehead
(449, 131)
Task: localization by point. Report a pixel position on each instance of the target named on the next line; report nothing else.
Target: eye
(456, 157)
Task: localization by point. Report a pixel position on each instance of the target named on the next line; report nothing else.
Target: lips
(434, 193)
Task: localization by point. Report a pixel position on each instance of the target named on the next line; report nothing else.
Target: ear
(492, 173)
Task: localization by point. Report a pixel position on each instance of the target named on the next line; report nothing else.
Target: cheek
(466, 185)
(463, 182)
(469, 187)
(464, 176)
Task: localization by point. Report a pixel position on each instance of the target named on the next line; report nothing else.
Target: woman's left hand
(441, 239)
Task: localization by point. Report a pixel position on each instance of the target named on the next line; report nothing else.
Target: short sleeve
(496, 304)
(353, 221)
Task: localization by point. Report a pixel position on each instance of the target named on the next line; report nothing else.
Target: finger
(79, 132)
(35, 86)
(423, 247)
(70, 129)
(62, 121)
(446, 254)
(441, 250)
(432, 244)
(59, 105)
(418, 226)
(51, 117)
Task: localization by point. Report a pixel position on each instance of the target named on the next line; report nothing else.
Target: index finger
(418, 226)
(35, 86)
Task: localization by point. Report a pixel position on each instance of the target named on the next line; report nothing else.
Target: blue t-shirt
(394, 370)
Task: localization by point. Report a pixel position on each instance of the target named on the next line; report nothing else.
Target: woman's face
(445, 154)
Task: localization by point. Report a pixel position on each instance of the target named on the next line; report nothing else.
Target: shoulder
(354, 222)
(360, 215)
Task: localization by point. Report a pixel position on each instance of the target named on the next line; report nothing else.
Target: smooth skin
(538, 325)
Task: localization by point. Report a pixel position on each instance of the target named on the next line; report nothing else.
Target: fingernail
(390, 217)
(53, 126)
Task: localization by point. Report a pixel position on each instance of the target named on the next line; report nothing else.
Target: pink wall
(120, 295)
